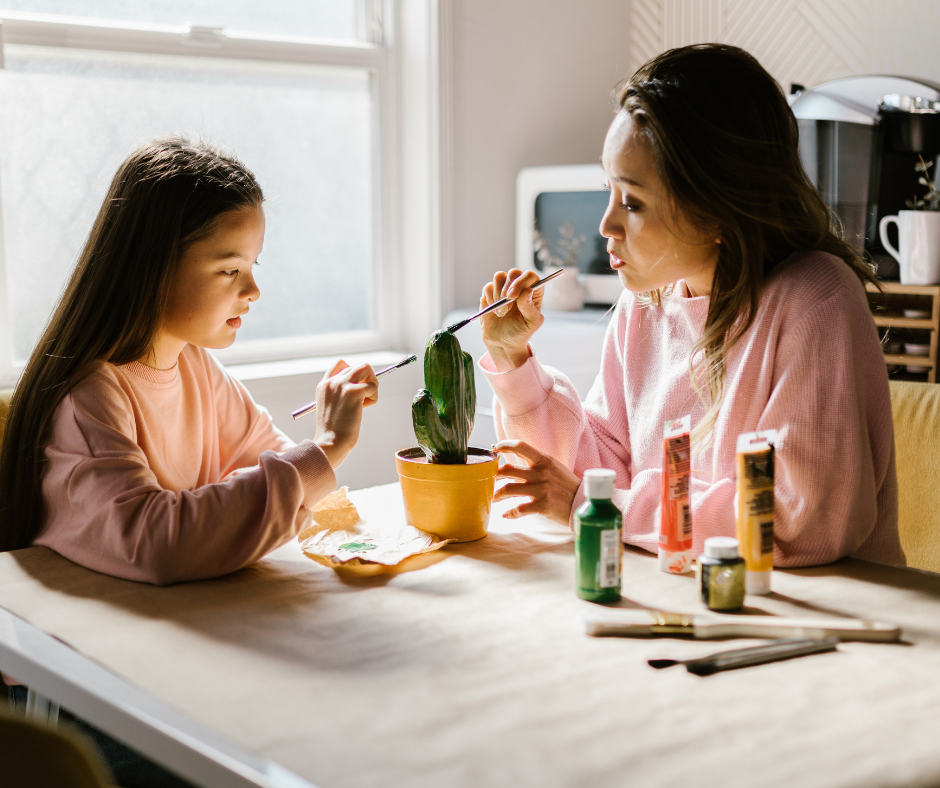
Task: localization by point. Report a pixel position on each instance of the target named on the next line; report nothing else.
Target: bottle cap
(599, 483)
(721, 547)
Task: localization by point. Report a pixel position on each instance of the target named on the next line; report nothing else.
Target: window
(297, 89)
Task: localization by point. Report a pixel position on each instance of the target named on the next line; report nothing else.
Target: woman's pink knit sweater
(149, 474)
(810, 367)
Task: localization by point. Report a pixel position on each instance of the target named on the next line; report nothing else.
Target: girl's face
(214, 285)
(649, 247)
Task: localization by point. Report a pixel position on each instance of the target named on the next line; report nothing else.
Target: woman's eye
(631, 207)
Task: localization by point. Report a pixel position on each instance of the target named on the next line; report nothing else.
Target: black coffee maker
(861, 139)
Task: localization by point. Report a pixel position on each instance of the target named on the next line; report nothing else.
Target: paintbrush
(501, 302)
(744, 657)
(312, 406)
(600, 620)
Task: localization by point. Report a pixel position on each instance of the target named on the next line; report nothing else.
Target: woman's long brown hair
(166, 195)
(725, 145)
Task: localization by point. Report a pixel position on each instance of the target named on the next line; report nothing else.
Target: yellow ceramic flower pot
(449, 501)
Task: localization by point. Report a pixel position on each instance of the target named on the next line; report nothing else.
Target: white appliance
(547, 197)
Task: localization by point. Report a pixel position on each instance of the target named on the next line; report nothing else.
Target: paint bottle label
(755, 505)
(609, 565)
(675, 510)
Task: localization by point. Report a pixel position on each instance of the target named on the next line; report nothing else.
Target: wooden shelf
(896, 297)
(914, 361)
(897, 287)
(903, 322)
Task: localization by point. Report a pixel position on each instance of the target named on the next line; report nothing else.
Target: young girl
(128, 448)
(744, 309)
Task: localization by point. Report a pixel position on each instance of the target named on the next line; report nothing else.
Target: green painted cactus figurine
(443, 411)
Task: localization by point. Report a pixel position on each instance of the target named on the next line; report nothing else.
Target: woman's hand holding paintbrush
(508, 329)
(549, 484)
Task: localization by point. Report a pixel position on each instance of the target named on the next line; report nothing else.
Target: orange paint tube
(755, 508)
(675, 510)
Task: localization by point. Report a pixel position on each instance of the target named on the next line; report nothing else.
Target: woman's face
(214, 284)
(649, 247)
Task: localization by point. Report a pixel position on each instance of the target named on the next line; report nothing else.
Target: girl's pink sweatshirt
(163, 476)
(810, 366)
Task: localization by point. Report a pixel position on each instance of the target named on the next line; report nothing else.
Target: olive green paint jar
(721, 574)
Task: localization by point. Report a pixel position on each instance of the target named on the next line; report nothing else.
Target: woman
(745, 309)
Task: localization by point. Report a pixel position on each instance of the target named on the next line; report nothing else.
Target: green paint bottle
(598, 548)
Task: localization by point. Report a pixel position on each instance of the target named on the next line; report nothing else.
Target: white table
(472, 671)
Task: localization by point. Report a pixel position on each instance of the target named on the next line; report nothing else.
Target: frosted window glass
(68, 118)
(315, 18)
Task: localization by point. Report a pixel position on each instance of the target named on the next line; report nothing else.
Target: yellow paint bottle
(755, 508)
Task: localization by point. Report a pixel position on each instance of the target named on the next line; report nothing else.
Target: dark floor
(129, 768)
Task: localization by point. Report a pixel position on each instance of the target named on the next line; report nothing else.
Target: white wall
(798, 41)
(530, 85)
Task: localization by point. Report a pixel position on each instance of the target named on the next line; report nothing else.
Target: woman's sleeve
(540, 406)
(834, 455)
(106, 510)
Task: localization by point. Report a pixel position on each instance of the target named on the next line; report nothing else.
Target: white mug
(919, 242)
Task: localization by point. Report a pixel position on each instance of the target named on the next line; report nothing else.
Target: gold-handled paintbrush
(312, 406)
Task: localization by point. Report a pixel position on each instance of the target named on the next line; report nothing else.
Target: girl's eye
(233, 272)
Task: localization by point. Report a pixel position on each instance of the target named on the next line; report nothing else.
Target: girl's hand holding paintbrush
(341, 395)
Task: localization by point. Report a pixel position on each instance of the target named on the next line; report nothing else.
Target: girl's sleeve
(106, 510)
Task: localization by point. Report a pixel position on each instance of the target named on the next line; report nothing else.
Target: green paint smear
(354, 546)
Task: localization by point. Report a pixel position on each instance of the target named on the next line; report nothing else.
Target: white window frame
(402, 49)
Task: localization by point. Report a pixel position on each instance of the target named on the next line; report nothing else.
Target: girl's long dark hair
(726, 148)
(166, 195)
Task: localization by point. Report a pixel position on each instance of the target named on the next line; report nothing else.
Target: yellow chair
(33, 755)
(916, 409)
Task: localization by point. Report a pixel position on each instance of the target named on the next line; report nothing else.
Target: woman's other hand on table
(549, 484)
(341, 395)
(507, 330)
